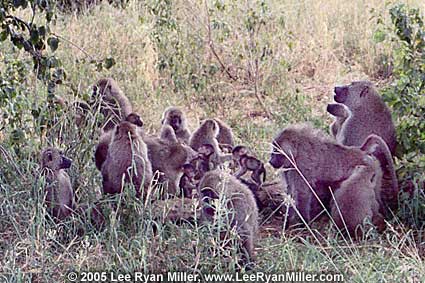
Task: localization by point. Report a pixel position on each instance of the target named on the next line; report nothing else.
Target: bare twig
(75, 45)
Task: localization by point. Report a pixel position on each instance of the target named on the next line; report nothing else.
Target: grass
(285, 54)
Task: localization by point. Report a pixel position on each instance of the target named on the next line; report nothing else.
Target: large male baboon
(126, 160)
(239, 201)
(309, 156)
(368, 115)
(59, 194)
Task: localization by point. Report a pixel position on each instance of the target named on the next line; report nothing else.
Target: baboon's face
(134, 119)
(277, 159)
(238, 151)
(175, 120)
(352, 94)
(189, 171)
(54, 159)
(211, 127)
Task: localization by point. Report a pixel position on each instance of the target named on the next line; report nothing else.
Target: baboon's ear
(364, 91)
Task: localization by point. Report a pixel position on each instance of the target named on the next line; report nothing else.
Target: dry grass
(291, 63)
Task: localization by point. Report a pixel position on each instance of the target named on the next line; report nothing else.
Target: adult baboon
(59, 194)
(105, 139)
(115, 106)
(369, 115)
(239, 201)
(176, 118)
(127, 159)
(168, 156)
(318, 160)
(356, 201)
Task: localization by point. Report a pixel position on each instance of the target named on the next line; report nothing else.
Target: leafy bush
(406, 96)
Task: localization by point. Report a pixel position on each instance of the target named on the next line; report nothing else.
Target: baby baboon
(369, 115)
(187, 182)
(248, 163)
(322, 162)
(356, 201)
(175, 117)
(59, 194)
(105, 139)
(114, 104)
(225, 134)
(127, 156)
(239, 201)
(168, 156)
(204, 161)
(341, 113)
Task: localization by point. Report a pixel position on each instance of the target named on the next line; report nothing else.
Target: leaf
(53, 42)
(379, 36)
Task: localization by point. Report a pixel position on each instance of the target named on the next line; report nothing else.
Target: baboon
(388, 200)
(207, 134)
(356, 201)
(175, 117)
(168, 156)
(341, 113)
(369, 115)
(204, 161)
(168, 134)
(225, 134)
(105, 139)
(114, 104)
(126, 156)
(59, 197)
(240, 202)
(187, 182)
(320, 160)
(248, 163)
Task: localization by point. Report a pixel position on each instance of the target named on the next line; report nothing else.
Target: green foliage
(406, 96)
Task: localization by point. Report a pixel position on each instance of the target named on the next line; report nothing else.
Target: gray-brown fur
(168, 156)
(341, 114)
(369, 115)
(127, 156)
(376, 146)
(356, 201)
(322, 161)
(225, 134)
(176, 118)
(115, 106)
(105, 139)
(59, 194)
(239, 200)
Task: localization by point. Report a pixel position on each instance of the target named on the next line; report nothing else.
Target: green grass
(302, 50)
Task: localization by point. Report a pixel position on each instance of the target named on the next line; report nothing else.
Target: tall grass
(285, 54)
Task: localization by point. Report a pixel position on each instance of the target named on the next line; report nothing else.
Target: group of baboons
(350, 173)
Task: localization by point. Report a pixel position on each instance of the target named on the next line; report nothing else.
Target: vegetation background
(258, 65)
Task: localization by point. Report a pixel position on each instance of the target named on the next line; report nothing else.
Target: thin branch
(75, 45)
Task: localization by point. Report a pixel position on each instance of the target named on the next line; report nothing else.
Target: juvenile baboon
(356, 201)
(175, 117)
(204, 161)
(59, 194)
(320, 160)
(105, 139)
(187, 182)
(207, 134)
(127, 159)
(115, 106)
(248, 163)
(225, 134)
(341, 113)
(168, 156)
(239, 201)
(369, 115)
(388, 198)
